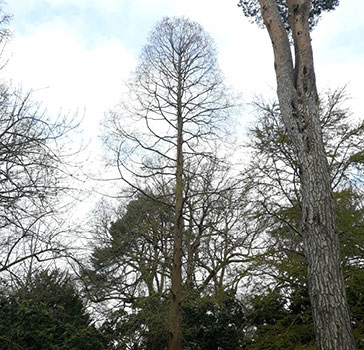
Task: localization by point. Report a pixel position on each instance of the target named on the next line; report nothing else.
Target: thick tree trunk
(175, 333)
(297, 94)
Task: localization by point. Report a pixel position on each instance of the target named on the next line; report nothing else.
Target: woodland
(209, 242)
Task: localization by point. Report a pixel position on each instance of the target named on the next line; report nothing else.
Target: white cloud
(53, 55)
(245, 52)
(52, 52)
(67, 75)
(338, 51)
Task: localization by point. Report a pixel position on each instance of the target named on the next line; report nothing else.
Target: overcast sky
(76, 53)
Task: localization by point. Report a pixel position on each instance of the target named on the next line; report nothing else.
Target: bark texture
(298, 99)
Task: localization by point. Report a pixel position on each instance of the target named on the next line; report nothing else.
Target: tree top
(251, 9)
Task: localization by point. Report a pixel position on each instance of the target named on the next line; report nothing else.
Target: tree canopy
(251, 9)
(46, 313)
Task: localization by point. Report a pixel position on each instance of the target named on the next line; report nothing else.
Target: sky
(75, 54)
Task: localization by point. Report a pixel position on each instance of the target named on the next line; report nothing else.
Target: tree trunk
(175, 334)
(298, 99)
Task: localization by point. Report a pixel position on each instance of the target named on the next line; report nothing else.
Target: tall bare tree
(176, 107)
(291, 21)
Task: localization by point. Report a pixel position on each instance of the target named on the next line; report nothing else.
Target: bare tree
(290, 21)
(176, 109)
(33, 176)
(218, 236)
(35, 154)
(130, 264)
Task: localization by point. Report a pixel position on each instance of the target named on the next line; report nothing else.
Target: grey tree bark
(298, 100)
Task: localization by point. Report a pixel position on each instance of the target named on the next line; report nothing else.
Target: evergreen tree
(47, 313)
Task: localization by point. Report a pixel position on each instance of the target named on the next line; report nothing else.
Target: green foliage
(131, 266)
(144, 326)
(133, 253)
(251, 9)
(355, 294)
(357, 157)
(281, 321)
(47, 314)
(210, 323)
(350, 221)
